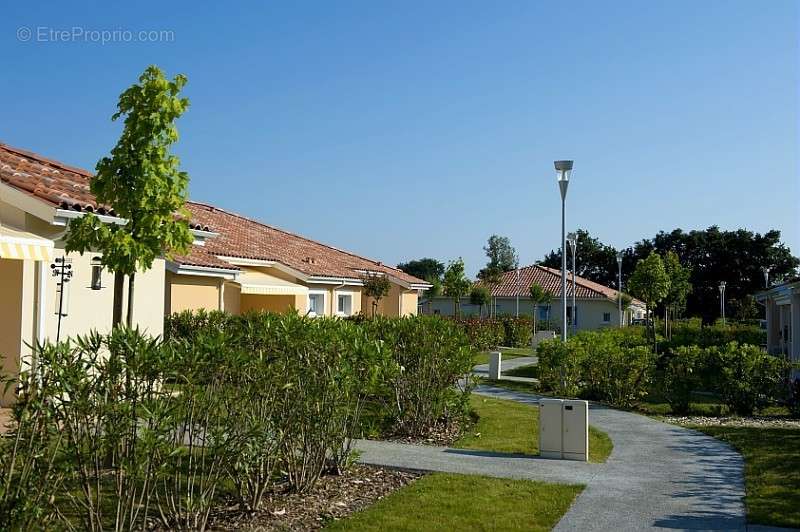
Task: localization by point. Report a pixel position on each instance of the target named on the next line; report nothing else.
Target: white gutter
(201, 271)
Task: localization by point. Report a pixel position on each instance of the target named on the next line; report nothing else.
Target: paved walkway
(482, 370)
(658, 476)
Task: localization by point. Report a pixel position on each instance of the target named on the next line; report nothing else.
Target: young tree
(650, 283)
(491, 276)
(679, 288)
(480, 296)
(539, 296)
(376, 286)
(427, 269)
(455, 283)
(141, 181)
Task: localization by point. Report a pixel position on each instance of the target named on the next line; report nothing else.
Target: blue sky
(399, 130)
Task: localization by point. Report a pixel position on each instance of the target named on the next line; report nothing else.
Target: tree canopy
(501, 254)
(711, 255)
(426, 269)
(455, 283)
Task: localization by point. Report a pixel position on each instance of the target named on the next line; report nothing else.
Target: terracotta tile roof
(550, 280)
(198, 256)
(57, 184)
(245, 238)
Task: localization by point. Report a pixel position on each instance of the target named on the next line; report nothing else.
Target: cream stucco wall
(231, 298)
(398, 302)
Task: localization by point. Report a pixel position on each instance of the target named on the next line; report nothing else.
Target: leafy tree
(596, 261)
(142, 182)
(491, 276)
(711, 255)
(455, 283)
(427, 269)
(501, 254)
(480, 296)
(539, 296)
(679, 288)
(744, 308)
(650, 283)
(376, 286)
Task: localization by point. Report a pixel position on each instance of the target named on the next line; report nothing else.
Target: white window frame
(345, 293)
(324, 295)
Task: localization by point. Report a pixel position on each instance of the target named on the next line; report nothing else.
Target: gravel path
(658, 476)
(507, 365)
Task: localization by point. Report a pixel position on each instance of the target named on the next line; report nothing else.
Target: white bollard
(495, 365)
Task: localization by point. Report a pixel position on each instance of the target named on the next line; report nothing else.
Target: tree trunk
(119, 285)
(131, 280)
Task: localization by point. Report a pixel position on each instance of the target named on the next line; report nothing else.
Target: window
(606, 317)
(344, 304)
(544, 312)
(316, 304)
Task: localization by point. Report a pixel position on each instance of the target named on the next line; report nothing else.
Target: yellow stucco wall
(285, 303)
(231, 298)
(399, 302)
(11, 276)
(191, 292)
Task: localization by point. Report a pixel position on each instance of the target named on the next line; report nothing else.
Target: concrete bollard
(495, 365)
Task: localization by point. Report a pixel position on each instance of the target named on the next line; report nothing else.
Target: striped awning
(260, 283)
(21, 245)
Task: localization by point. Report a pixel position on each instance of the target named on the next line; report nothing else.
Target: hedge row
(618, 367)
(128, 432)
(505, 331)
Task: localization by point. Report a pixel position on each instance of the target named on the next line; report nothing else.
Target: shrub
(561, 366)
(517, 331)
(748, 378)
(430, 355)
(483, 334)
(794, 397)
(693, 332)
(682, 374)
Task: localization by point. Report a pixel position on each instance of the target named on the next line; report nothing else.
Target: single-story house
(595, 304)
(782, 305)
(235, 264)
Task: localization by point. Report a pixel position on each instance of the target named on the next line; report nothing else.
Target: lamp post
(572, 239)
(765, 269)
(563, 172)
(619, 287)
(722, 301)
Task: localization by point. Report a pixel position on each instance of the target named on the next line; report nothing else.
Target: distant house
(596, 305)
(782, 305)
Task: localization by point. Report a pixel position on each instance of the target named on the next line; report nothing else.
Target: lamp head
(619, 257)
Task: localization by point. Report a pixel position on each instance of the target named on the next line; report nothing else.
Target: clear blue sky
(400, 130)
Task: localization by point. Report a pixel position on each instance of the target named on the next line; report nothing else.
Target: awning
(260, 283)
(21, 245)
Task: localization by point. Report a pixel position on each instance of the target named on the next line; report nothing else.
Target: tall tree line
(736, 257)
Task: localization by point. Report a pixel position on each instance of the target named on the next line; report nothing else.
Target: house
(782, 305)
(235, 264)
(596, 305)
(248, 265)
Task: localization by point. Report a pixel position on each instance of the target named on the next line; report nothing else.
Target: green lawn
(512, 352)
(772, 471)
(530, 371)
(511, 427)
(444, 502)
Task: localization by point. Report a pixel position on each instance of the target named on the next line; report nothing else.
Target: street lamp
(563, 172)
(619, 287)
(722, 300)
(572, 239)
(765, 269)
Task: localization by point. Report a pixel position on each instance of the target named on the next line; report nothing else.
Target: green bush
(748, 378)
(429, 356)
(561, 366)
(693, 332)
(483, 334)
(517, 331)
(682, 373)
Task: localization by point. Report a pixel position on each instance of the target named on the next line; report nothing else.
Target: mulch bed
(443, 434)
(334, 497)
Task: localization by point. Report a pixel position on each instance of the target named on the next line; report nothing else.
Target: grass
(531, 371)
(511, 427)
(772, 471)
(444, 502)
(508, 353)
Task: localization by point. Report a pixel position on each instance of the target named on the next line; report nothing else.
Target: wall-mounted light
(97, 273)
